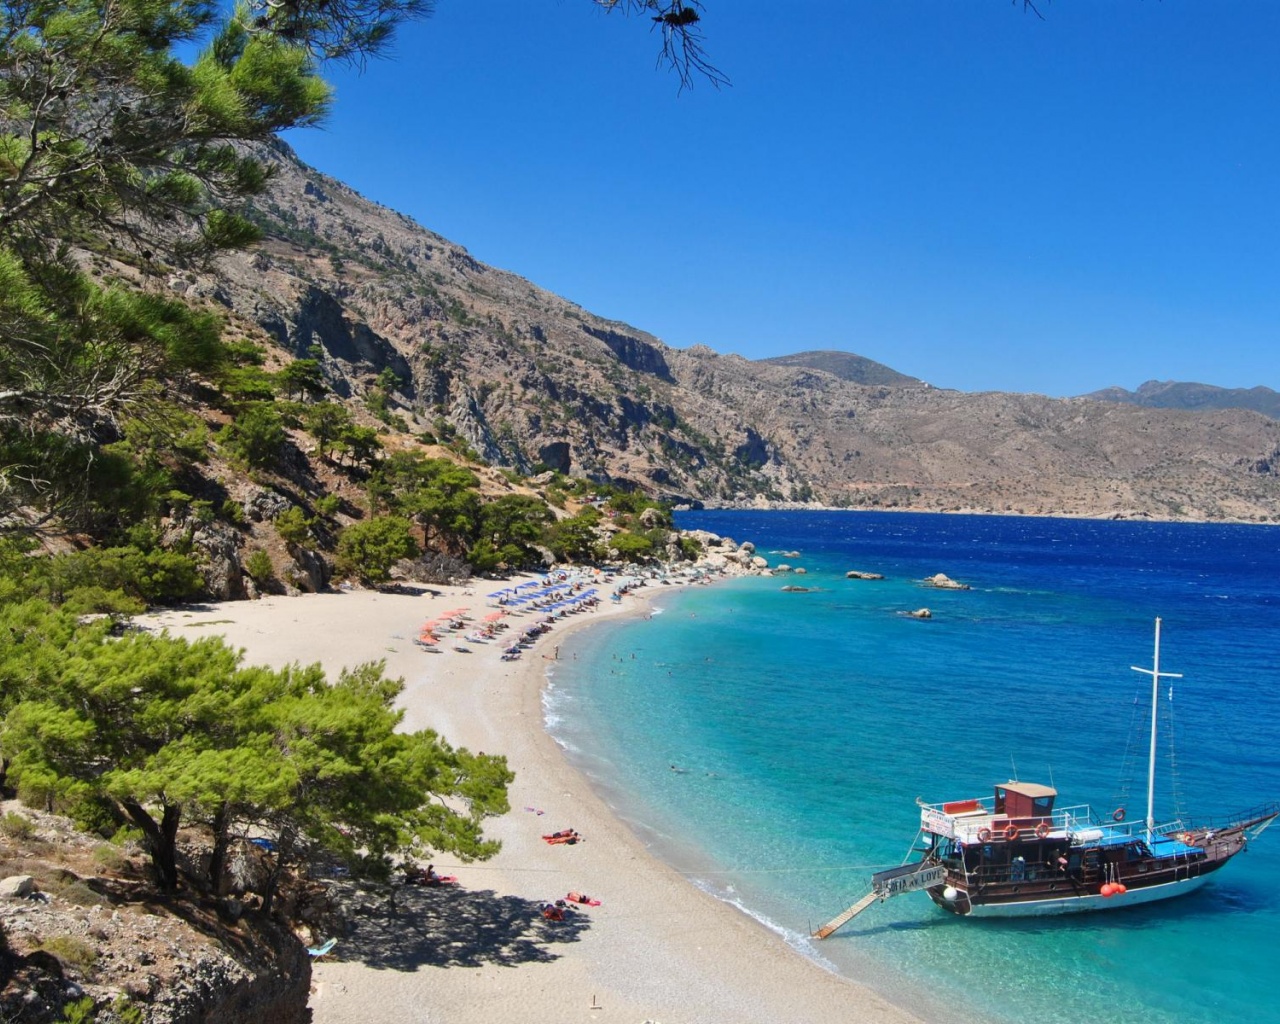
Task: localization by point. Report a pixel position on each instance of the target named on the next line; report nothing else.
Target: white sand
(658, 949)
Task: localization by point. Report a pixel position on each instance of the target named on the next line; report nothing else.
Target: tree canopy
(160, 732)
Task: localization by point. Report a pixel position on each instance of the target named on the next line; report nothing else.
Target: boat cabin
(1016, 800)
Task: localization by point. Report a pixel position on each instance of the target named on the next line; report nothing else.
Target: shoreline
(1116, 515)
(658, 948)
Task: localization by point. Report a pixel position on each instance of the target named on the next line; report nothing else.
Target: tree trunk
(161, 840)
(221, 838)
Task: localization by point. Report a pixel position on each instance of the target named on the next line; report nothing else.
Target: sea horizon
(771, 745)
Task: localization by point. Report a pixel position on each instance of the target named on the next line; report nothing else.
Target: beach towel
(577, 897)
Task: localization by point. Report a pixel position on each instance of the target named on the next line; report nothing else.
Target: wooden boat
(1017, 853)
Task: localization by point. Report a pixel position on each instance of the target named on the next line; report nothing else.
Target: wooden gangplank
(847, 916)
(894, 882)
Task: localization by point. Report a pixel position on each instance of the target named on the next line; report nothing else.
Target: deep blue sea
(805, 726)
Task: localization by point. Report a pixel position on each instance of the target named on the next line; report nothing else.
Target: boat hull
(1072, 904)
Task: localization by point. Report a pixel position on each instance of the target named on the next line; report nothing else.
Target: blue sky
(967, 193)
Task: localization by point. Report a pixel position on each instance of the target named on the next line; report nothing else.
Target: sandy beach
(657, 949)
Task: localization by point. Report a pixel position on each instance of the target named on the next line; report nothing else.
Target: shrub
(631, 545)
(82, 1011)
(17, 826)
(108, 857)
(70, 889)
(369, 549)
(72, 952)
(258, 566)
(293, 526)
(156, 577)
(256, 436)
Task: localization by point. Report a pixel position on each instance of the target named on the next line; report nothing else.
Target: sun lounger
(316, 952)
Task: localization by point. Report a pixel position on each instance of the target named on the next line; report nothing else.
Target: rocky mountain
(846, 366)
(1172, 394)
(533, 382)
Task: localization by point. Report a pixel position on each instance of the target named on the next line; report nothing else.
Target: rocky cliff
(532, 381)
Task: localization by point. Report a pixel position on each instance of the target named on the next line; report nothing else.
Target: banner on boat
(908, 878)
(933, 820)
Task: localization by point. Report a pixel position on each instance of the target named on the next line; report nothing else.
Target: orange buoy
(1119, 889)
(1108, 890)
(1042, 829)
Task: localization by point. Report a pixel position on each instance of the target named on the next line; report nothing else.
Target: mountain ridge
(1171, 394)
(534, 382)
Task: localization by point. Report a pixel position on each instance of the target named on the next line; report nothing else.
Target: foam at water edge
(798, 941)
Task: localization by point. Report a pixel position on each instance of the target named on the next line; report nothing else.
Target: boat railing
(1030, 871)
(1072, 819)
(1260, 813)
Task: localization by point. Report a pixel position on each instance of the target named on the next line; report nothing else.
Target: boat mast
(1156, 675)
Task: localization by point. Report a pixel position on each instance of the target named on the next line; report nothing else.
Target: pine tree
(166, 732)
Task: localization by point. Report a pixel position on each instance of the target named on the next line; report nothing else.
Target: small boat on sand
(1018, 854)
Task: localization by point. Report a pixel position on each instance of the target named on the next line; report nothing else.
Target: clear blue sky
(967, 193)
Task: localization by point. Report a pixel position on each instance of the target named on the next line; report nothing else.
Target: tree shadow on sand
(406, 927)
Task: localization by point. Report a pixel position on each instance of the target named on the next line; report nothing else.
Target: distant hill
(846, 366)
(1172, 394)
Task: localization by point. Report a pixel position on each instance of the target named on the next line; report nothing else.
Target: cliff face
(533, 381)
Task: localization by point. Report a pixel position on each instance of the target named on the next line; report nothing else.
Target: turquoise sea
(805, 725)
